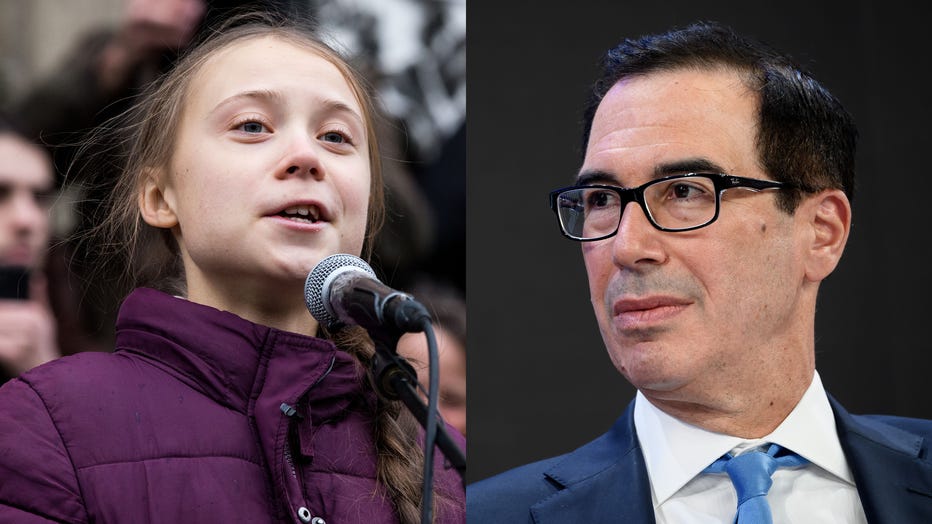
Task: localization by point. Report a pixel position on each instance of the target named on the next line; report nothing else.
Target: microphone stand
(396, 379)
(387, 314)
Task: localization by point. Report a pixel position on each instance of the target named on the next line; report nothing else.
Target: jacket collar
(603, 481)
(891, 467)
(227, 357)
(606, 480)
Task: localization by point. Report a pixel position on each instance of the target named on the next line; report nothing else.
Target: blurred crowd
(413, 52)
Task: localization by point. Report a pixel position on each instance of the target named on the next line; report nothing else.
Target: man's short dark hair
(805, 136)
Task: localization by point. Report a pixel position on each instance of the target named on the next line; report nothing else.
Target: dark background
(540, 381)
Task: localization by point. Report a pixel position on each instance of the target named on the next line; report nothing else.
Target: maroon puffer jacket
(184, 423)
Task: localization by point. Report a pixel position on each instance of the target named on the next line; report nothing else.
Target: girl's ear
(155, 201)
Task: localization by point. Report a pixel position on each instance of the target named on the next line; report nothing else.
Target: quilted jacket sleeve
(37, 479)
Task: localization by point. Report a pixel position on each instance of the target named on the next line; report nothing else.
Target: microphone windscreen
(319, 280)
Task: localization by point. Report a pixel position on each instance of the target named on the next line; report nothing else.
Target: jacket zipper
(292, 413)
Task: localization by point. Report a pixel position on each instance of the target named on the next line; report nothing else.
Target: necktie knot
(750, 474)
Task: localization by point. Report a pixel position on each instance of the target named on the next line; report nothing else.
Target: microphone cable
(430, 436)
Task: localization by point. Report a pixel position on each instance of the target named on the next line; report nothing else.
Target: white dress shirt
(676, 453)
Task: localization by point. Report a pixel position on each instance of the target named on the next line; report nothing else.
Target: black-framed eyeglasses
(674, 203)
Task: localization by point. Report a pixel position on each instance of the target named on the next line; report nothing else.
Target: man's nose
(637, 240)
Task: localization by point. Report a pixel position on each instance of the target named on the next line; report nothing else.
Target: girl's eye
(252, 127)
(336, 137)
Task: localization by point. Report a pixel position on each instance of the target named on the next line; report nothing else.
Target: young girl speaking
(224, 401)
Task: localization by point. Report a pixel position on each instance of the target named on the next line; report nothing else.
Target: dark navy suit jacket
(606, 479)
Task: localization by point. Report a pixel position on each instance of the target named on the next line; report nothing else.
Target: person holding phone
(27, 323)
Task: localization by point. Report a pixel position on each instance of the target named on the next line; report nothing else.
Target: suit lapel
(891, 468)
(604, 481)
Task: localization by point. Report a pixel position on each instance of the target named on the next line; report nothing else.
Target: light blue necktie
(750, 473)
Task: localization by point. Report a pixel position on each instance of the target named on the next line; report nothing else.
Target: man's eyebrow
(688, 165)
(678, 167)
(596, 177)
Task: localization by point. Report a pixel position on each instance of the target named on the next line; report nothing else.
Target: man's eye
(685, 191)
(601, 198)
(45, 198)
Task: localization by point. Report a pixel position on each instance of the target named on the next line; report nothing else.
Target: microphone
(343, 289)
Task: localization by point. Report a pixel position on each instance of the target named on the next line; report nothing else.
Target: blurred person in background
(37, 311)
(448, 309)
(38, 306)
(27, 325)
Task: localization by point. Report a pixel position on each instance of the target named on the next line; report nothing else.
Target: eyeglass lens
(681, 203)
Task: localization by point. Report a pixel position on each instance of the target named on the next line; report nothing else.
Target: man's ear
(156, 204)
(828, 214)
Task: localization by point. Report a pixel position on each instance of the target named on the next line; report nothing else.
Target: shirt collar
(675, 451)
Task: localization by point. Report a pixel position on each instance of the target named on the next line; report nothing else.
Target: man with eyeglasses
(713, 198)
